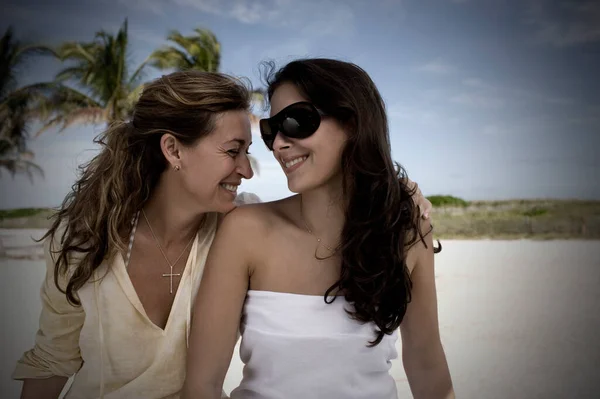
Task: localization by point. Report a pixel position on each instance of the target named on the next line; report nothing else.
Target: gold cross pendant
(171, 275)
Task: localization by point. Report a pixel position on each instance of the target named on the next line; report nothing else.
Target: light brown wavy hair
(95, 218)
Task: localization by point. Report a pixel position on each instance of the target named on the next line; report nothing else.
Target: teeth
(229, 187)
(294, 162)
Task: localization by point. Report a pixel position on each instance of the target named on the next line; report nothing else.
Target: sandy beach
(519, 319)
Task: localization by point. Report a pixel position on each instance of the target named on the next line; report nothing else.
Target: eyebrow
(242, 142)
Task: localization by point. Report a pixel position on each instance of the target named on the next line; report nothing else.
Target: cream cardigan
(109, 343)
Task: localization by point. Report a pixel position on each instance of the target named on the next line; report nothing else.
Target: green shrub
(536, 211)
(19, 213)
(447, 200)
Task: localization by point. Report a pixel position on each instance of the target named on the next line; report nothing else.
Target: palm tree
(14, 155)
(96, 86)
(15, 104)
(200, 51)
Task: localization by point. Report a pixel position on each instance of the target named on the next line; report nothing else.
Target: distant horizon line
(532, 199)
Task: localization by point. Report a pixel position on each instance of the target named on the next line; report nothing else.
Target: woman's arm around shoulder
(218, 307)
(424, 206)
(422, 352)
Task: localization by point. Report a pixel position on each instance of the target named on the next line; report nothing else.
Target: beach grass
(25, 218)
(515, 219)
(452, 218)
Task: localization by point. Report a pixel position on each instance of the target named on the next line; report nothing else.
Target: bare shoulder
(257, 219)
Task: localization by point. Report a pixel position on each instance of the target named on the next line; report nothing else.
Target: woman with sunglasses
(320, 283)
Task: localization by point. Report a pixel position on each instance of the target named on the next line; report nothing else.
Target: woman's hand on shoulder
(423, 204)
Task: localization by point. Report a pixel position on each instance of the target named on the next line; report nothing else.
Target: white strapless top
(299, 347)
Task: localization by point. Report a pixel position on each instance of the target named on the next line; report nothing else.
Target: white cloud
(478, 100)
(324, 17)
(335, 20)
(418, 114)
(247, 13)
(287, 51)
(210, 6)
(478, 84)
(432, 94)
(437, 67)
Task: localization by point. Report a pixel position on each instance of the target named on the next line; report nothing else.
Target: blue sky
(487, 99)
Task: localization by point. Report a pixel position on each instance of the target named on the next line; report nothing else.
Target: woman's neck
(323, 212)
(171, 217)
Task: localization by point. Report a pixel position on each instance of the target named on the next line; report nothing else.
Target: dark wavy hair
(382, 222)
(95, 217)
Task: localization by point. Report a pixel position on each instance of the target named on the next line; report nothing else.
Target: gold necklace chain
(171, 265)
(319, 241)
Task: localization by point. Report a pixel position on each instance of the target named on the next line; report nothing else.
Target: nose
(281, 142)
(244, 167)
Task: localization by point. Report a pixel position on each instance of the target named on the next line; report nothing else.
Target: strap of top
(134, 223)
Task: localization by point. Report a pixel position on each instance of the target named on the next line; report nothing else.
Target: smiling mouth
(229, 187)
(295, 161)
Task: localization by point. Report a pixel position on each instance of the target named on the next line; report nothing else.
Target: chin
(298, 186)
(226, 207)
(301, 185)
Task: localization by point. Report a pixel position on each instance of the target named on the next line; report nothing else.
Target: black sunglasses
(298, 121)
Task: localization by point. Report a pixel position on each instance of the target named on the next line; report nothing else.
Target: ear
(171, 148)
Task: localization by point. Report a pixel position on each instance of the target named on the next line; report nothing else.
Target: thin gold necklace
(171, 265)
(319, 241)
